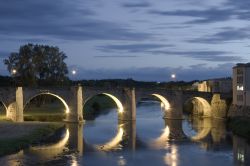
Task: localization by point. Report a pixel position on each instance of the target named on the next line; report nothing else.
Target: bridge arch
(155, 96)
(4, 105)
(198, 106)
(164, 101)
(118, 103)
(4, 109)
(67, 109)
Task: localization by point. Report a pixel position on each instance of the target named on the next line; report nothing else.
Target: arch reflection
(125, 138)
(114, 143)
(51, 150)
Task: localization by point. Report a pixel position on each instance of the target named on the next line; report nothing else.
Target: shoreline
(19, 136)
(240, 126)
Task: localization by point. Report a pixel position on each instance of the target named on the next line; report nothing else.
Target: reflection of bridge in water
(209, 136)
(126, 137)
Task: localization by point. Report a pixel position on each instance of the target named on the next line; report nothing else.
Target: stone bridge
(74, 99)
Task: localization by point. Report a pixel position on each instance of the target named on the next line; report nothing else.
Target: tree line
(37, 64)
(44, 65)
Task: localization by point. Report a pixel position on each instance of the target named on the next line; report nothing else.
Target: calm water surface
(151, 140)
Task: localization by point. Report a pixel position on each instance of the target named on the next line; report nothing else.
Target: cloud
(229, 34)
(159, 49)
(136, 5)
(210, 15)
(132, 48)
(194, 72)
(67, 20)
(114, 56)
(210, 56)
(229, 10)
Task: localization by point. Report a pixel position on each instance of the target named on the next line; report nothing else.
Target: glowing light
(240, 88)
(74, 161)
(173, 76)
(73, 72)
(159, 142)
(13, 71)
(118, 103)
(67, 110)
(114, 142)
(163, 100)
(241, 156)
(172, 158)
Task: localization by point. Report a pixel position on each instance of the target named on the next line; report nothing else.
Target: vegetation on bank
(96, 106)
(12, 145)
(240, 126)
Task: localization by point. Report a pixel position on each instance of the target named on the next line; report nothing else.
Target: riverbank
(240, 126)
(17, 136)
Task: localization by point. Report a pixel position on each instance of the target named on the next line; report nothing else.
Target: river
(151, 140)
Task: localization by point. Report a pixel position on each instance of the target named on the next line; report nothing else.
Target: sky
(141, 39)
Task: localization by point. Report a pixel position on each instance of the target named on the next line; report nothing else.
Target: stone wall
(219, 107)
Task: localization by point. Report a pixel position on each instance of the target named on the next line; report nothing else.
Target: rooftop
(242, 65)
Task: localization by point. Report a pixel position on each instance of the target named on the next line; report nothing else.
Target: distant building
(241, 84)
(221, 85)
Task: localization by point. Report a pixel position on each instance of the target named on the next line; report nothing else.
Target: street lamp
(173, 76)
(73, 72)
(13, 71)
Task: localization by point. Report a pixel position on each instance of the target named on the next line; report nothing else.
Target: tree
(35, 64)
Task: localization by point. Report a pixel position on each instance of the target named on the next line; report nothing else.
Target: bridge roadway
(74, 98)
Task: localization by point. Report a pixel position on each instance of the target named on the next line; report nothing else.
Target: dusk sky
(139, 39)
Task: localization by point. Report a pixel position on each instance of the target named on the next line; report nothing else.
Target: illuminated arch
(206, 107)
(165, 102)
(67, 110)
(114, 142)
(115, 99)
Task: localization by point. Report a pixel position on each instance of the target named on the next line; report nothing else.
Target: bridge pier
(75, 105)
(175, 129)
(15, 109)
(176, 107)
(75, 141)
(129, 135)
(129, 105)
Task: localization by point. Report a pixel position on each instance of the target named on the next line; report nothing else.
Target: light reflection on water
(151, 141)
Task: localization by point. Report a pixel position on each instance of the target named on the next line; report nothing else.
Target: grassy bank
(240, 126)
(17, 136)
(47, 112)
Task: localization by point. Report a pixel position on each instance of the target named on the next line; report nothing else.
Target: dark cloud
(136, 5)
(228, 34)
(67, 20)
(132, 47)
(113, 56)
(195, 72)
(229, 10)
(211, 56)
(201, 16)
